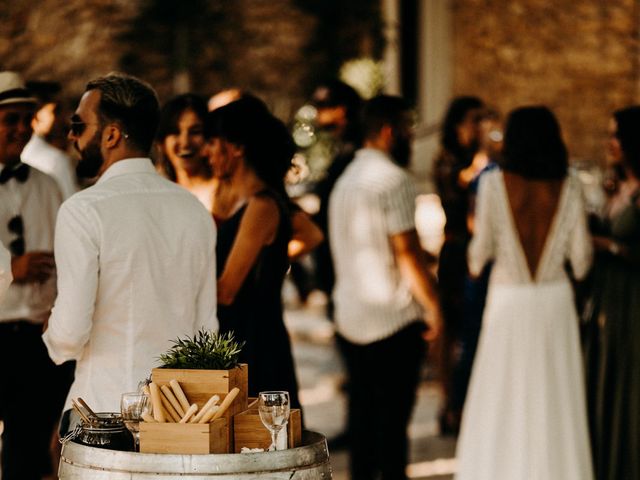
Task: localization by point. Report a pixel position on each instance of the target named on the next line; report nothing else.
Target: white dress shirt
(373, 199)
(51, 160)
(136, 270)
(5, 270)
(37, 201)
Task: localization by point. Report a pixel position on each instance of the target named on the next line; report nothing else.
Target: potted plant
(205, 365)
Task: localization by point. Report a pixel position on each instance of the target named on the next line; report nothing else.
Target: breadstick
(168, 408)
(158, 411)
(192, 409)
(212, 401)
(147, 417)
(173, 400)
(209, 414)
(182, 398)
(226, 403)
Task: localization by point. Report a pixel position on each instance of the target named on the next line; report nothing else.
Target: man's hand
(32, 267)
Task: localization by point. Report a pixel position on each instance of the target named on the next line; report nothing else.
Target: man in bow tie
(29, 202)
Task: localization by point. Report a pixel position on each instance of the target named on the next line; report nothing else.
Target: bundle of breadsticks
(170, 404)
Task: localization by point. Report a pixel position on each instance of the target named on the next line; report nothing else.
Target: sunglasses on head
(16, 226)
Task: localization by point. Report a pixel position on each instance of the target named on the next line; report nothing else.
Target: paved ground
(320, 373)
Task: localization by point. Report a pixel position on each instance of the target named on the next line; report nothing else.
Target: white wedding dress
(525, 413)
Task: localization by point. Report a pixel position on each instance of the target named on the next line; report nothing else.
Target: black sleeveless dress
(255, 316)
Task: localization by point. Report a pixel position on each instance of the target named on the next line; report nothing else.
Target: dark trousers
(383, 379)
(32, 394)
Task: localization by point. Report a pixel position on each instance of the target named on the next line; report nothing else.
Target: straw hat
(13, 89)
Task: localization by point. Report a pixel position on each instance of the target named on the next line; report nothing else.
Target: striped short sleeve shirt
(373, 200)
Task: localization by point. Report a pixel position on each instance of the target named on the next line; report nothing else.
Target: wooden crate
(200, 385)
(184, 438)
(248, 430)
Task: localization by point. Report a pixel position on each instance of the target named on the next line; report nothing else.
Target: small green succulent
(207, 350)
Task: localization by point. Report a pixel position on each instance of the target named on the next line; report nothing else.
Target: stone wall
(255, 44)
(579, 58)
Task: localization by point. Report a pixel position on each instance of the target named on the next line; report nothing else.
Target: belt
(20, 326)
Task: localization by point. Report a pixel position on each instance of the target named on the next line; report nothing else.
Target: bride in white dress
(525, 412)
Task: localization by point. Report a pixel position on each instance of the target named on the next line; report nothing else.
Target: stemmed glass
(274, 412)
(132, 406)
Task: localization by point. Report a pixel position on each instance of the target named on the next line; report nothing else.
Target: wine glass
(132, 406)
(274, 412)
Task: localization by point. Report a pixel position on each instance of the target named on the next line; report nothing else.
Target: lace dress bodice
(496, 238)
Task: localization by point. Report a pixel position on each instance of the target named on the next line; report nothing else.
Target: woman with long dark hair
(250, 151)
(454, 170)
(612, 312)
(525, 413)
(180, 145)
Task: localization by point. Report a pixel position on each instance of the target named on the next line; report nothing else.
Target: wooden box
(200, 385)
(184, 438)
(248, 430)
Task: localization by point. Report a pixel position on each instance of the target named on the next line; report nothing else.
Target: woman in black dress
(250, 151)
(612, 311)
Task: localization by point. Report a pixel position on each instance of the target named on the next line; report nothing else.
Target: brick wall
(579, 58)
(254, 44)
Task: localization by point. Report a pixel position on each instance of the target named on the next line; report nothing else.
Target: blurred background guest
(486, 159)
(338, 106)
(454, 169)
(386, 298)
(47, 149)
(525, 413)
(613, 310)
(29, 202)
(250, 151)
(180, 146)
(306, 235)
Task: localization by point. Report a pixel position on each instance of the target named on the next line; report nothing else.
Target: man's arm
(76, 253)
(413, 264)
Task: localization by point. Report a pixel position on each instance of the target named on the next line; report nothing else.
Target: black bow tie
(21, 173)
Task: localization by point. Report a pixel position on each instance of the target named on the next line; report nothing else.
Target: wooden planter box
(198, 386)
(248, 430)
(184, 438)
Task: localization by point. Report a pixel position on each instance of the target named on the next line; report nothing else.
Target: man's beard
(401, 151)
(91, 159)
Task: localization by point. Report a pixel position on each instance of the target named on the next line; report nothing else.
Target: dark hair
(533, 145)
(380, 111)
(268, 145)
(44, 91)
(458, 109)
(168, 123)
(628, 134)
(131, 103)
(336, 93)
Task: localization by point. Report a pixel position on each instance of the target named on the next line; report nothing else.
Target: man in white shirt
(135, 252)
(29, 202)
(385, 299)
(40, 152)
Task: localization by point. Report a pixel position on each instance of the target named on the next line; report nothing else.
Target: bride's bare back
(534, 204)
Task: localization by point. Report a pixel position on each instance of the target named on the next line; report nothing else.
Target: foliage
(207, 350)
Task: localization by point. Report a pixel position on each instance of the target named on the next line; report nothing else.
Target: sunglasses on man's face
(16, 226)
(77, 127)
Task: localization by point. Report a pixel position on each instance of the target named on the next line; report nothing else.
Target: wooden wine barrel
(309, 461)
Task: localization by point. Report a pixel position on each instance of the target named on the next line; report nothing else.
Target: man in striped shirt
(385, 299)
